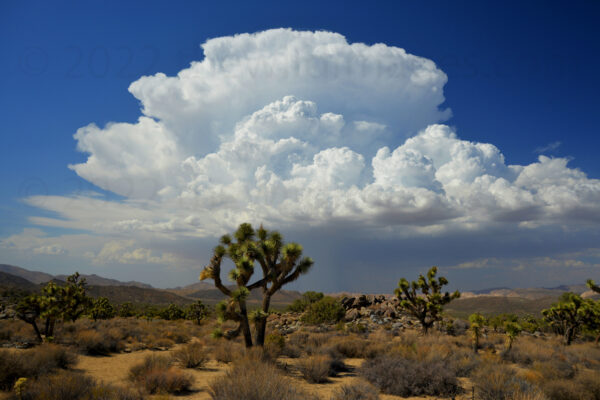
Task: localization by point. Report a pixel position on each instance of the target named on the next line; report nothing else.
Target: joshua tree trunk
(568, 336)
(245, 325)
(261, 325)
(37, 331)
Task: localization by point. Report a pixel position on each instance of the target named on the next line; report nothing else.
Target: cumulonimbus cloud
(304, 128)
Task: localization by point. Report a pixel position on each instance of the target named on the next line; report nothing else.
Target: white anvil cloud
(304, 129)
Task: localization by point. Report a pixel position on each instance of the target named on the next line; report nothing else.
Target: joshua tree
(126, 310)
(512, 330)
(172, 312)
(102, 309)
(74, 301)
(280, 264)
(570, 315)
(55, 302)
(477, 321)
(592, 285)
(196, 312)
(423, 298)
(29, 310)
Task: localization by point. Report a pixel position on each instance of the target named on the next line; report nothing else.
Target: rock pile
(370, 310)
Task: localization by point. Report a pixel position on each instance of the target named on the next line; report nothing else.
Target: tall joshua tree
(423, 298)
(280, 264)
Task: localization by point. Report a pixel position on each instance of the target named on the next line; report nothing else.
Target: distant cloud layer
(303, 129)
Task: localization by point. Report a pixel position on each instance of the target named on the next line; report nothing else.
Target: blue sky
(521, 77)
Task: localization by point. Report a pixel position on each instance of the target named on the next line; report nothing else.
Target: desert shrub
(356, 391)
(298, 339)
(191, 355)
(162, 343)
(275, 339)
(591, 381)
(315, 341)
(326, 310)
(462, 361)
(251, 380)
(16, 331)
(150, 362)
(585, 354)
(500, 382)
(586, 385)
(403, 377)
(62, 386)
(315, 369)
(11, 368)
(227, 352)
(71, 386)
(299, 305)
(291, 350)
(157, 375)
(555, 369)
(96, 343)
(352, 347)
(33, 363)
(526, 351)
(49, 357)
(274, 344)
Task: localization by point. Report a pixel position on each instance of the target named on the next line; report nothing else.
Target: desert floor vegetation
(329, 364)
(328, 357)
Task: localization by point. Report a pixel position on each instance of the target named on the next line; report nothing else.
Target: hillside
(97, 280)
(32, 276)
(190, 289)
(490, 305)
(526, 293)
(279, 300)
(13, 281)
(134, 294)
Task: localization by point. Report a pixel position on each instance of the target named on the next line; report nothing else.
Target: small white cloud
(550, 147)
(125, 252)
(53, 250)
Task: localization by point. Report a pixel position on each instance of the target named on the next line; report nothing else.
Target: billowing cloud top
(304, 129)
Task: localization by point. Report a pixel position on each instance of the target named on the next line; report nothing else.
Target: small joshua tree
(477, 322)
(512, 330)
(196, 312)
(423, 298)
(571, 315)
(65, 303)
(280, 264)
(592, 285)
(102, 309)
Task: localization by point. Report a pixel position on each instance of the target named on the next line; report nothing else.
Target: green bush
(326, 310)
(300, 305)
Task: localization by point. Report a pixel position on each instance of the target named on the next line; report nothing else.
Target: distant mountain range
(493, 300)
(42, 277)
(136, 292)
(529, 293)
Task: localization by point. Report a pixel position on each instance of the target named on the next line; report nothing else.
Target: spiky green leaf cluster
(423, 298)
